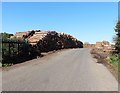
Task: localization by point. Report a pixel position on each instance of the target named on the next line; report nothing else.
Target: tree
(86, 43)
(117, 40)
(5, 35)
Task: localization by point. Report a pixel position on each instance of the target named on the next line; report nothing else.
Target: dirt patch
(102, 58)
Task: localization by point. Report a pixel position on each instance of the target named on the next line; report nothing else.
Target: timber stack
(49, 40)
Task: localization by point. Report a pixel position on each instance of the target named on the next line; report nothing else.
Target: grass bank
(114, 60)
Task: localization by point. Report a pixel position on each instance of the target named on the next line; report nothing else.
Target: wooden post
(2, 53)
(18, 48)
(9, 49)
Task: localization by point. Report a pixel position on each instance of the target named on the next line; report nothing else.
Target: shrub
(114, 59)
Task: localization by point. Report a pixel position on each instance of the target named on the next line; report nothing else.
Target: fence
(10, 47)
(16, 51)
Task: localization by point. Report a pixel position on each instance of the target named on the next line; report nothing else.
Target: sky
(87, 21)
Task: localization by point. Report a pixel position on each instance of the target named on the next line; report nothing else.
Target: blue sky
(87, 21)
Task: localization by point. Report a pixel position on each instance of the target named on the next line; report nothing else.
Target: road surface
(66, 70)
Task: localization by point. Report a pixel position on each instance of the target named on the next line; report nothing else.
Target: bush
(114, 59)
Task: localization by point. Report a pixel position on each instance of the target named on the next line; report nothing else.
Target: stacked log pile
(20, 34)
(50, 40)
(36, 37)
(104, 45)
(89, 45)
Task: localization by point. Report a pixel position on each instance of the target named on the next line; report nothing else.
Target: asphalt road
(66, 70)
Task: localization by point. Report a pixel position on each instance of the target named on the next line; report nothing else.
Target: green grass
(114, 60)
(7, 65)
